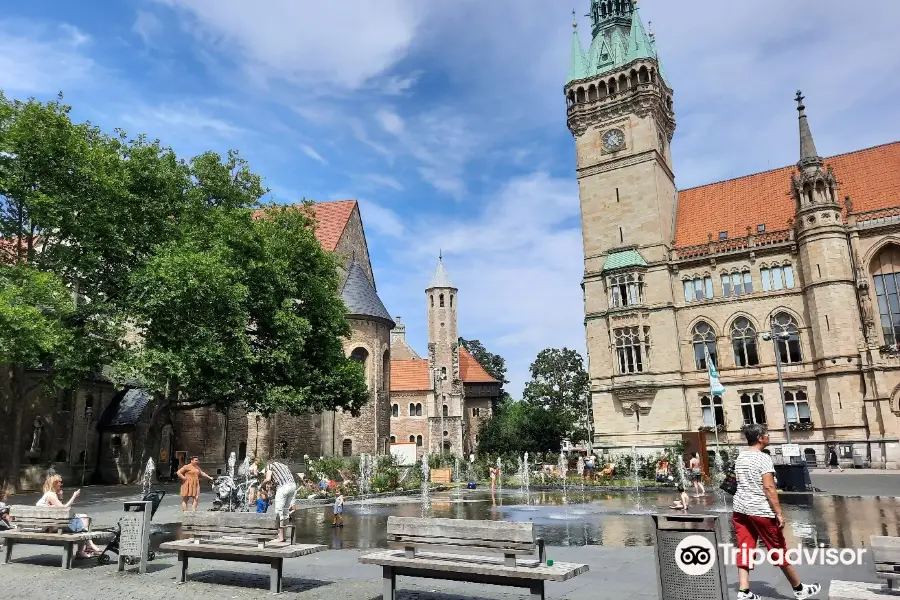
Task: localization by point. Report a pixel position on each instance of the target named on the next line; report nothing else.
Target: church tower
(620, 112)
(445, 412)
(829, 285)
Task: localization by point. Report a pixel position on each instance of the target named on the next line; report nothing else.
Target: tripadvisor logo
(695, 555)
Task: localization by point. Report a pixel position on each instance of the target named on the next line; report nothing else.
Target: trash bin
(689, 560)
(792, 477)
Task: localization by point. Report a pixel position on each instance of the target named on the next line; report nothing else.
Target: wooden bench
(237, 537)
(886, 556)
(453, 549)
(47, 526)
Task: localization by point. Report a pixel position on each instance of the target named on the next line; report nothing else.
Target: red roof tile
(331, 220)
(471, 371)
(871, 178)
(410, 375)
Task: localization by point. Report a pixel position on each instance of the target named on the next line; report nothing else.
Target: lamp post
(783, 336)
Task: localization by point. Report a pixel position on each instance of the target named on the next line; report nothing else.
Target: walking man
(758, 515)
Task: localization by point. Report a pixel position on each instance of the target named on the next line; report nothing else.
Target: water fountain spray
(232, 459)
(562, 466)
(500, 478)
(579, 467)
(636, 478)
(426, 485)
(147, 479)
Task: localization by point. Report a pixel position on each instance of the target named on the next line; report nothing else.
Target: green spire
(578, 63)
(639, 44)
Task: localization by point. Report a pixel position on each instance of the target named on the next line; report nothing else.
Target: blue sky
(447, 120)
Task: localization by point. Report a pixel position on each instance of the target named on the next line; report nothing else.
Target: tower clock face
(614, 139)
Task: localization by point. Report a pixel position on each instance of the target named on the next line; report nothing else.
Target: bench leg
(67, 556)
(388, 584)
(537, 590)
(9, 546)
(183, 559)
(275, 572)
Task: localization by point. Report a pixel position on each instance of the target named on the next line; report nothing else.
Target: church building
(794, 270)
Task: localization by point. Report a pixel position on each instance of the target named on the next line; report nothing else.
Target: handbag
(729, 485)
(76, 525)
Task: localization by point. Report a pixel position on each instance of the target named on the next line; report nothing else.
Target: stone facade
(656, 292)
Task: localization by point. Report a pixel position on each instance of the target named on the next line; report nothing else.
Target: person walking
(696, 475)
(758, 515)
(279, 474)
(833, 461)
(190, 475)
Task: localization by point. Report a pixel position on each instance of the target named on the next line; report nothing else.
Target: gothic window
(698, 289)
(418, 410)
(418, 441)
(713, 413)
(788, 349)
(743, 341)
(441, 301)
(736, 283)
(476, 412)
(777, 277)
(446, 411)
(797, 405)
(361, 355)
(347, 447)
(412, 409)
(886, 276)
(626, 290)
(704, 339)
(753, 408)
(386, 371)
(632, 348)
(395, 410)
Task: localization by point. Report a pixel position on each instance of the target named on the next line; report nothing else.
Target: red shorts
(749, 530)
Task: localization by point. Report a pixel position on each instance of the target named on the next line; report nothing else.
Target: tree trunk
(158, 418)
(14, 403)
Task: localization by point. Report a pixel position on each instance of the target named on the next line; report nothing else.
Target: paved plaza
(619, 573)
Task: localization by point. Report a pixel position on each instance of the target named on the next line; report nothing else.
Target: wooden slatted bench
(454, 549)
(886, 556)
(47, 526)
(237, 537)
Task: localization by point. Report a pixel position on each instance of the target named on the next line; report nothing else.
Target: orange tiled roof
(471, 371)
(871, 178)
(331, 219)
(410, 375)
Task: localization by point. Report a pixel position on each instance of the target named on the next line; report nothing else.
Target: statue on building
(36, 436)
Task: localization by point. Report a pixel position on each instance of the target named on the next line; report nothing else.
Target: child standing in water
(338, 520)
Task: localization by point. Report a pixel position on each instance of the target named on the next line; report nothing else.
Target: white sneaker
(809, 590)
(747, 596)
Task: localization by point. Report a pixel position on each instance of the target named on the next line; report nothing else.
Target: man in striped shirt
(285, 489)
(757, 514)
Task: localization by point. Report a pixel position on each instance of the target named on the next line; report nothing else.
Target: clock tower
(620, 112)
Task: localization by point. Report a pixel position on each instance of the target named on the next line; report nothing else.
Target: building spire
(578, 61)
(441, 278)
(808, 154)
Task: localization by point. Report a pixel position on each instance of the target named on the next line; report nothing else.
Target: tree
(519, 427)
(494, 364)
(560, 383)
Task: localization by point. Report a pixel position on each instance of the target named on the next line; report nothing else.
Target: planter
(709, 428)
(801, 426)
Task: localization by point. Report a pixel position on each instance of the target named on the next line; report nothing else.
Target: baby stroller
(154, 496)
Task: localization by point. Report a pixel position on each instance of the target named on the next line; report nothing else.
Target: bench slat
(886, 555)
(290, 551)
(230, 530)
(495, 531)
(238, 520)
(467, 547)
(40, 512)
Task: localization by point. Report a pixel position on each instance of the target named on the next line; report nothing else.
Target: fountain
(682, 474)
(579, 467)
(718, 478)
(366, 475)
(426, 485)
(525, 479)
(147, 479)
(562, 467)
(636, 478)
(500, 478)
(231, 462)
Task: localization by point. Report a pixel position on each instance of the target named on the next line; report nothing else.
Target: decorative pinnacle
(574, 20)
(800, 107)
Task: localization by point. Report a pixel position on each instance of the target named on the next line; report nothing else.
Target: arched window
(809, 455)
(713, 414)
(451, 300)
(418, 441)
(797, 405)
(789, 348)
(447, 446)
(242, 451)
(632, 349)
(432, 300)
(418, 410)
(704, 340)
(743, 340)
(441, 298)
(412, 410)
(753, 408)
(886, 276)
(386, 371)
(393, 439)
(412, 438)
(61, 456)
(443, 372)
(361, 355)
(395, 410)
(347, 447)
(446, 411)
(88, 406)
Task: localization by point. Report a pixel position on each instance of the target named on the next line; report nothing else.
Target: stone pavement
(616, 574)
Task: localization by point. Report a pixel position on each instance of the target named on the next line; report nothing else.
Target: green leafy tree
(519, 427)
(559, 383)
(494, 364)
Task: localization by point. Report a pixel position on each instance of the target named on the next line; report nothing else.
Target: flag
(715, 386)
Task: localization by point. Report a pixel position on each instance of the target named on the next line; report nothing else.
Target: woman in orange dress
(190, 475)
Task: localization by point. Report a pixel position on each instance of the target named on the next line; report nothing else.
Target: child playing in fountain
(683, 500)
(338, 520)
(262, 500)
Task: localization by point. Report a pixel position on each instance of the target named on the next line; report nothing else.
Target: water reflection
(597, 519)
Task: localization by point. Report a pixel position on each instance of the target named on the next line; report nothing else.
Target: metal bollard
(695, 569)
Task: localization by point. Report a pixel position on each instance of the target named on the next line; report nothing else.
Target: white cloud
(389, 121)
(341, 44)
(380, 220)
(311, 152)
(43, 59)
(147, 26)
(189, 124)
(385, 181)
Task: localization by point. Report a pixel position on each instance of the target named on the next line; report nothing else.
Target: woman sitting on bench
(52, 492)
